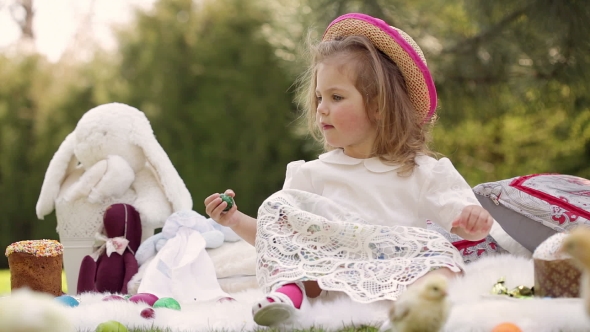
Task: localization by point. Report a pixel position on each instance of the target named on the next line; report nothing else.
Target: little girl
(354, 220)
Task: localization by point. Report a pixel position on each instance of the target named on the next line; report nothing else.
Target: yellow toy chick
(422, 308)
(577, 245)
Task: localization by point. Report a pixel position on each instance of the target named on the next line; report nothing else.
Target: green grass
(5, 282)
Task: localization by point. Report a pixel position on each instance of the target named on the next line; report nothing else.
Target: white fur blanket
(473, 308)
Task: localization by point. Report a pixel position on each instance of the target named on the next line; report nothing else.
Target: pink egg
(148, 313)
(226, 299)
(146, 298)
(113, 297)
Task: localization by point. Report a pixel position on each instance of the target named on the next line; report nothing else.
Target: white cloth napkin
(183, 270)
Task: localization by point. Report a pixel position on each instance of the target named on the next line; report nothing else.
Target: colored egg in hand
(229, 200)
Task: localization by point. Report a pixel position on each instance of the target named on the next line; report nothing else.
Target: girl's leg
(293, 292)
(312, 289)
(280, 306)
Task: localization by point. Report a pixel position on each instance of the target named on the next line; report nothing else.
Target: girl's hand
(474, 223)
(214, 207)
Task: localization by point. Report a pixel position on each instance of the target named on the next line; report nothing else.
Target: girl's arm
(242, 224)
(245, 228)
(454, 203)
(473, 224)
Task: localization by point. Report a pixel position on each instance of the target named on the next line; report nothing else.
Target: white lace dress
(365, 236)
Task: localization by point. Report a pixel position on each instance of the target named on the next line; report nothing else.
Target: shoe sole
(273, 314)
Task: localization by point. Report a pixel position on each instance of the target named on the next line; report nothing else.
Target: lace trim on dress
(304, 236)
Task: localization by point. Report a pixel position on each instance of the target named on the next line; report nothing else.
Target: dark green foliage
(512, 79)
(40, 104)
(216, 96)
(18, 112)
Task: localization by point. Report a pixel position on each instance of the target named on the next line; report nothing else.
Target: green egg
(229, 200)
(167, 302)
(111, 326)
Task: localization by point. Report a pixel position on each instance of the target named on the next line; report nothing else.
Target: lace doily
(304, 236)
(82, 220)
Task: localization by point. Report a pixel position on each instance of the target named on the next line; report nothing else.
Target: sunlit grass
(5, 282)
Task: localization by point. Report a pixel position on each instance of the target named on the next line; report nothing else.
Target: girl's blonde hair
(401, 132)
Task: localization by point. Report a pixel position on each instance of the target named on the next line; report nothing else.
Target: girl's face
(341, 113)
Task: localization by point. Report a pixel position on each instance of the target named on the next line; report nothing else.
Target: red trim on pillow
(518, 183)
(464, 244)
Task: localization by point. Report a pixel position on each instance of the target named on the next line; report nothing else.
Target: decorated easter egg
(167, 302)
(228, 199)
(67, 300)
(111, 326)
(506, 327)
(148, 313)
(114, 297)
(146, 298)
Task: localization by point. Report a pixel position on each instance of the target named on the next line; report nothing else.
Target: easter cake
(555, 273)
(36, 264)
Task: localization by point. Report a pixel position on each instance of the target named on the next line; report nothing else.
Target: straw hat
(400, 47)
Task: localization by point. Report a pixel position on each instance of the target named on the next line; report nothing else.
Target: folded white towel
(183, 270)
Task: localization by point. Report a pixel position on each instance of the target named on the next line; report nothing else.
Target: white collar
(338, 157)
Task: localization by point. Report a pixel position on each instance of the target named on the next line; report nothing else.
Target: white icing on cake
(549, 250)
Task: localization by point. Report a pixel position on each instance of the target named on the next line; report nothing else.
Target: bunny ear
(173, 185)
(62, 163)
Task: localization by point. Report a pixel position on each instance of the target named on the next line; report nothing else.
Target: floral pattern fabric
(557, 201)
(470, 250)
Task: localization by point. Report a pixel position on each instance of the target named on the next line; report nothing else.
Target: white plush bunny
(112, 156)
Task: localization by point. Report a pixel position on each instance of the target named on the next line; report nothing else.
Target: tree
(18, 134)
(517, 75)
(216, 95)
(511, 76)
(23, 14)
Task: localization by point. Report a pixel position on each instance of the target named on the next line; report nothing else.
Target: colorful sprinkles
(38, 248)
